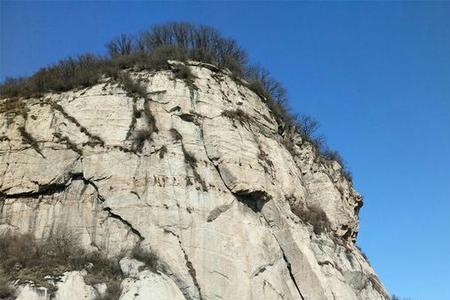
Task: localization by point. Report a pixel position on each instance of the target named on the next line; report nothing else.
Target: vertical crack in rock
(288, 264)
(238, 197)
(183, 72)
(179, 281)
(190, 160)
(254, 199)
(263, 158)
(295, 260)
(291, 274)
(209, 158)
(134, 114)
(151, 121)
(191, 270)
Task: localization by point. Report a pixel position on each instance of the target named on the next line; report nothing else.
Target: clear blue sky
(376, 75)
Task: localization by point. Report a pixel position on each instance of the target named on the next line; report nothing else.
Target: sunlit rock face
(196, 172)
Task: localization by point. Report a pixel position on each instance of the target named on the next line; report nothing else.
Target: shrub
(120, 46)
(162, 152)
(200, 43)
(6, 291)
(26, 259)
(151, 50)
(17, 250)
(238, 114)
(270, 89)
(307, 126)
(132, 87)
(14, 106)
(113, 291)
(150, 259)
(29, 139)
(336, 156)
(139, 138)
(13, 87)
(314, 216)
(183, 72)
(190, 159)
(175, 134)
(82, 71)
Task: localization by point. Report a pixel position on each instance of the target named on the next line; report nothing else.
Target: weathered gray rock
(73, 287)
(29, 292)
(217, 197)
(70, 286)
(149, 285)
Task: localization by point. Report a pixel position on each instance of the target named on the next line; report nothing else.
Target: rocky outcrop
(195, 171)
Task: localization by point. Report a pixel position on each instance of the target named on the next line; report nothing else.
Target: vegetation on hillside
(150, 50)
(24, 259)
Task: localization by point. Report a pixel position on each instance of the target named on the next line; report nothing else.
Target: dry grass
(25, 259)
(239, 115)
(314, 216)
(132, 87)
(150, 259)
(151, 50)
(27, 138)
(175, 134)
(113, 291)
(6, 291)
(162, 152)
(139, 138)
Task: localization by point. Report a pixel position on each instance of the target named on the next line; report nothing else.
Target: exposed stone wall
(195, 172)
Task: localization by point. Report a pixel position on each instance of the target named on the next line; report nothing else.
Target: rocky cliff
(197, 171)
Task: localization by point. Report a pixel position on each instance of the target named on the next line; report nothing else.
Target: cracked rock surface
(220, 200)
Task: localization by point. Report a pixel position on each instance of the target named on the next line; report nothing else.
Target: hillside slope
(196, 171)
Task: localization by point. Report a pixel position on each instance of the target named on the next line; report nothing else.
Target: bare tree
(307, 125)
(122, 45)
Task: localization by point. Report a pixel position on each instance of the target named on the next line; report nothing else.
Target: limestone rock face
(71, 286)
(197, 172)
(149, 285)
